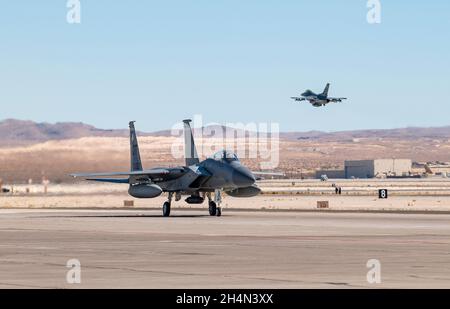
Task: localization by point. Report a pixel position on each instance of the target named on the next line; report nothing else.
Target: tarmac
(241, 249)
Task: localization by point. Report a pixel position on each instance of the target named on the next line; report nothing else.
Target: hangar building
(378, 168)
(370, 169)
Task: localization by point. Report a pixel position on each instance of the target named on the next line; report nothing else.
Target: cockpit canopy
(225, 155)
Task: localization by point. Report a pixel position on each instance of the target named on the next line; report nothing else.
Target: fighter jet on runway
(222, 172)
(318, 100)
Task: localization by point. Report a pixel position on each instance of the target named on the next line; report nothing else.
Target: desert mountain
(20, 132)
(402, 133)
(25, 132)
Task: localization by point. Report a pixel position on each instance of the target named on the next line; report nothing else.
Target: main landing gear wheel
(212, 209)
(219, 211)
(166, 209)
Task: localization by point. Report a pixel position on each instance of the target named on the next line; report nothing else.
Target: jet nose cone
(243, 178)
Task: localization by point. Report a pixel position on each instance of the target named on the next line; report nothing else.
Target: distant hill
(25, 132)
(20, 132)
(403, 134)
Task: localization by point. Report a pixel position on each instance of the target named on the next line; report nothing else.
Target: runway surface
(139, 249)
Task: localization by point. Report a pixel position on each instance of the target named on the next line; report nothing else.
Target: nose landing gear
(214, 206)
(166, 205)
(166, 209)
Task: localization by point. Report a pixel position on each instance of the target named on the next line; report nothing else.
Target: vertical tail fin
(190, 152)
(135, 156)
(325, 91)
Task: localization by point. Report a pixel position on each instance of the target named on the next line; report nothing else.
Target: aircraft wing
(155, 175)
(336, 99)
(153, 172)
(298, 99)
(110, 180)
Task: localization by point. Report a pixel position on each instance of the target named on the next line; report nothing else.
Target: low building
(370, 169)
(437, 168)
(378, 168)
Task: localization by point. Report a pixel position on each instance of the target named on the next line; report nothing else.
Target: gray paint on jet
(197, 178)
(318, 100)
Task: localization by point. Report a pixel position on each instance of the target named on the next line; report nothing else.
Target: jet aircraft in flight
(318, 100)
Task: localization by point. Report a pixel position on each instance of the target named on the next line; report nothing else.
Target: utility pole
(45, 183)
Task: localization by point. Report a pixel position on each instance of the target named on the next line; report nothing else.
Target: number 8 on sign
(383, 194)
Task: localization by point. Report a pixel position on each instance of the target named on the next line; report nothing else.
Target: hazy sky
(158, 62)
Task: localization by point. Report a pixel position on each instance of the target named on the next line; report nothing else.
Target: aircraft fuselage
(210, 175)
